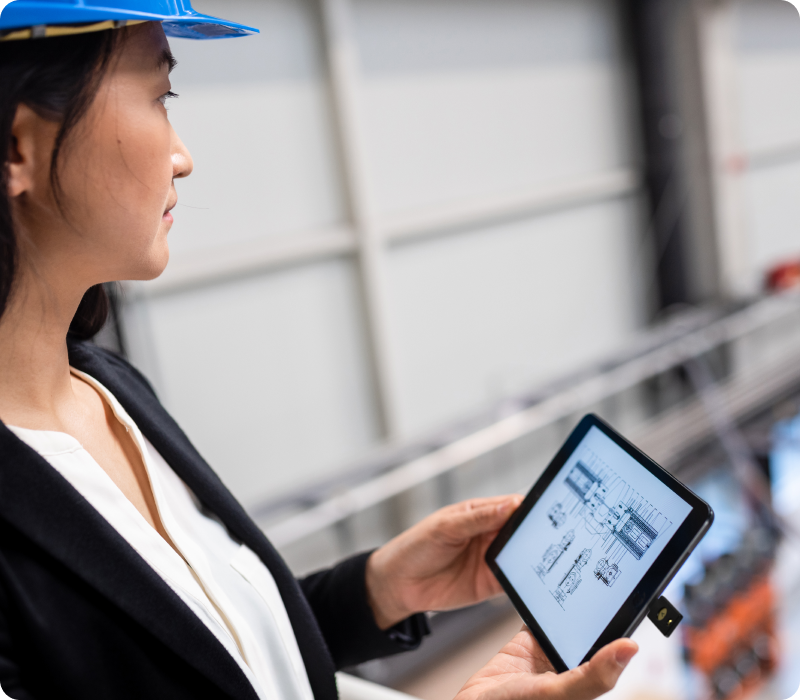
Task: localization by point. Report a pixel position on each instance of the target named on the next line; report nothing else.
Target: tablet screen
(588, 541)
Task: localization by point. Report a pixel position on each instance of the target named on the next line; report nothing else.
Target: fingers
(537, 658)
(480, 516)
(521, 672)
(474, 503)
(595, 677)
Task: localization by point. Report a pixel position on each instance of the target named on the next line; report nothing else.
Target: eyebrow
(166, 58)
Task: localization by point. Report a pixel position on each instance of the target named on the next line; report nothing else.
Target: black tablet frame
(660, 573)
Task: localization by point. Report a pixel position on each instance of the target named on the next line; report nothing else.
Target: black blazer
(83, 617)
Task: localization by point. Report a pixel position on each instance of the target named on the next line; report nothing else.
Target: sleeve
(338, 598)
(11, 684)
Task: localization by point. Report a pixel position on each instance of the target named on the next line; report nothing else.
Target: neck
(35, 384)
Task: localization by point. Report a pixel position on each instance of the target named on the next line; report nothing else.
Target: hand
(439, 563)
(521, 671)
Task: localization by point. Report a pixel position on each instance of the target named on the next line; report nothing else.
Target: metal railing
(693, 334)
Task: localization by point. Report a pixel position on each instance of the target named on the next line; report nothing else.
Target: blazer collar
(40, 503)
(160, 429)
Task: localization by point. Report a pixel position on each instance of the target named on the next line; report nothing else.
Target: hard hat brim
(188, 25)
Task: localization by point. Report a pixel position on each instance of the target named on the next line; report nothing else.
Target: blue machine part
(784, 466)
(177, 16)
(731, 520)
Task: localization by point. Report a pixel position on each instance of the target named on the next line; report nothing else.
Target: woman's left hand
(439, 563)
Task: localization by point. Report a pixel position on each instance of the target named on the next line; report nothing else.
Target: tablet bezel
(666, 565)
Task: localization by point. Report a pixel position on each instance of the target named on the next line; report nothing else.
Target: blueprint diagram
(604, 522)
(588, 540)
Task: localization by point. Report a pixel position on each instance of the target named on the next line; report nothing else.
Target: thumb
(599, 675)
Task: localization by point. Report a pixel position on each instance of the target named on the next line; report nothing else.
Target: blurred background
(424, 237)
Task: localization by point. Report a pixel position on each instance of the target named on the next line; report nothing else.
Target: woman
(127, 570)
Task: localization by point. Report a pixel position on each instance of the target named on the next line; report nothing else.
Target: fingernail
(624, 655)
(503, 507)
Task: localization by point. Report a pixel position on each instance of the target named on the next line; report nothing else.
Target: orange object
(784, 276)
(745, 615)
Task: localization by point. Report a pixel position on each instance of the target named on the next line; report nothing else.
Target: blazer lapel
(40, 503)
(165, 435)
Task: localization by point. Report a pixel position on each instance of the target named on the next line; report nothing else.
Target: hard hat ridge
(23, 19)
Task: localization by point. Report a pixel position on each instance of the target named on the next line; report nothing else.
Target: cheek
(129, 232)
(131, 168)
(144, 169)
(117, 181)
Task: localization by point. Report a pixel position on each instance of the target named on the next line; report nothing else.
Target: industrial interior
(427, 236)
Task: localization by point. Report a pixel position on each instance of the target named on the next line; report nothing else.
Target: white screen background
(588, 541)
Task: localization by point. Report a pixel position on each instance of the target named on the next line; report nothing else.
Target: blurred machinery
(736, 591)
(730, 634)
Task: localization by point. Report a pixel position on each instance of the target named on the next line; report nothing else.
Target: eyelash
(167, 96)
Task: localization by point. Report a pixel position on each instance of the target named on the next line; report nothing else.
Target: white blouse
(223, 582)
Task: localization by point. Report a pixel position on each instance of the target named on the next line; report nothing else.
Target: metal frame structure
(715, 37)
(367, 237)
(658, 351)
(650, 28)
(344, 78)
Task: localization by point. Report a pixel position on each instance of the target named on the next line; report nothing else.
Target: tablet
(594, 543)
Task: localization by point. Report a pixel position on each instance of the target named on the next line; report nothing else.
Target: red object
(784, 276)
(747, 617)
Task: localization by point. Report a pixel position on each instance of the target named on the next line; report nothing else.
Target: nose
(182, 163)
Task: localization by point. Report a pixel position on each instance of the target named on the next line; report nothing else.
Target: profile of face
(111, 216)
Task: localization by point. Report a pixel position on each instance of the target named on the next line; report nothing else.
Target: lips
(167, 216)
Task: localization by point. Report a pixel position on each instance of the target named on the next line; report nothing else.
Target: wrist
(386, 606)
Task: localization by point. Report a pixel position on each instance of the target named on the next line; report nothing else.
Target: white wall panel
(262, 165)
(769, 81)
(485, 314)
(255, 114)
(463, 99)
(773, 216)
(767, 65)
(267, 375)
(766, 25)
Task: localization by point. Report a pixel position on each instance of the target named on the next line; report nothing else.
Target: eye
(167, 96)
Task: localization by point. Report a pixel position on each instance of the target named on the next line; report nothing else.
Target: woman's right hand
(521, 671)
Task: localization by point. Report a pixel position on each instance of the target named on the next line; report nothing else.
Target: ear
(29, 151)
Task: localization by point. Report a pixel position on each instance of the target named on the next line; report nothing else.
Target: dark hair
(58, 78)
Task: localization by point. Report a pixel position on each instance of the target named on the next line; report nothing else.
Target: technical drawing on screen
(587, 541)
(608, 520)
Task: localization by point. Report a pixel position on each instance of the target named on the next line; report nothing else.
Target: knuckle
(592, 681)
(606, 679)
(446, 522)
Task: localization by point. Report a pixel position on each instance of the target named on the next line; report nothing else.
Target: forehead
(146, 49)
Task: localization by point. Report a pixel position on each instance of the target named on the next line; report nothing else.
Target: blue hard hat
(177, 17)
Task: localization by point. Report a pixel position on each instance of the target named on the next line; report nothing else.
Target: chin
(157, 271)
(154, 267)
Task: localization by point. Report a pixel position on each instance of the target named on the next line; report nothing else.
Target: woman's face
(116, 174)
